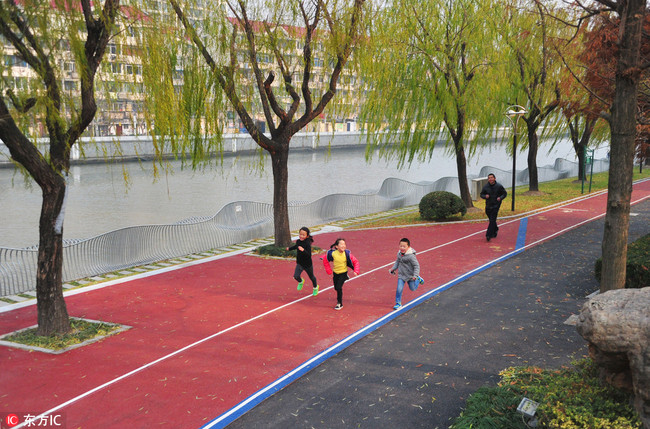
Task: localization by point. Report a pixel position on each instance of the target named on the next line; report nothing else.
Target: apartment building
(120, 92)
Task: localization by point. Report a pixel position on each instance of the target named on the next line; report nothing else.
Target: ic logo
(12, 420)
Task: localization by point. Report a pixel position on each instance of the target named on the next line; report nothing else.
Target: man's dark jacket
(494, 191)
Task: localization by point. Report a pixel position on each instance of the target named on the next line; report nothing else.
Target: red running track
(209, 340)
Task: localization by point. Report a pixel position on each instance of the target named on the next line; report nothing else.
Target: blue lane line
(521, 236)
(246, 405)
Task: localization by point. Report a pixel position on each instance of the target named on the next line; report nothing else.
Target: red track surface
(148, 376)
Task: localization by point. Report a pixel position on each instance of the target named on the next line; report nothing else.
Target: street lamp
(513, 113)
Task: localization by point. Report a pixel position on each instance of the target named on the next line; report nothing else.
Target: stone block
(616, 324)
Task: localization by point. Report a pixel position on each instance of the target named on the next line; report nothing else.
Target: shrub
(440, 205)
(280, 252)
(273, 250)
(569, 398)
(637, 272)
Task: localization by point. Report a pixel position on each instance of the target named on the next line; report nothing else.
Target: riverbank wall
(142, 148)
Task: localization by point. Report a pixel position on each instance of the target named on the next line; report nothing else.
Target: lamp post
(513, 113)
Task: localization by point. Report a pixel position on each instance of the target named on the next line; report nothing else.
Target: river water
(99, 200)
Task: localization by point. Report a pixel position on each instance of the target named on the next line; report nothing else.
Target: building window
(70, 85)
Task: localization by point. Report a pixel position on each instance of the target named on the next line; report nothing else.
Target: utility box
(477, 185)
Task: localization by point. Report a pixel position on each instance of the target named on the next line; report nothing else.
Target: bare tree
(245, 48)
(36, 33)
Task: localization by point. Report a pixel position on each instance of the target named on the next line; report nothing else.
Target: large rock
(617, 326)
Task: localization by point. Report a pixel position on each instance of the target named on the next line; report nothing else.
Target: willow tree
(431, 69)
(236, 50)
(37, 35)
(532, 42)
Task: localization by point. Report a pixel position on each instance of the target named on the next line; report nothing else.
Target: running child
(341, 260)
(408, 269)
(303, 259)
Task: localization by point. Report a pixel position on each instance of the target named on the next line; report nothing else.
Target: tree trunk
(623, 132)
(580, 153)
(279, 160)
(461, 168)
(583, 145)
(533, 145)
(52, 312)
(578, 147)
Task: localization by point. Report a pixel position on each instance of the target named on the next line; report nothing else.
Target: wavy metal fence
(236, 222)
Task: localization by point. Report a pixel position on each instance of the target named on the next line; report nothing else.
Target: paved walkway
(210, 340)
(418, 370)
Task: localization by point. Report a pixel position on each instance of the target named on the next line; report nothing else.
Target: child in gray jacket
(408, 269)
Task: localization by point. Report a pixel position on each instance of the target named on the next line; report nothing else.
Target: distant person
(493, 193)
(408, 270)
(341, 260)
(303, 259)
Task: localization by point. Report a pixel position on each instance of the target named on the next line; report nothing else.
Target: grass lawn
(550, 193)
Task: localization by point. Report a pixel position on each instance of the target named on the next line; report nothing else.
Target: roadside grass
(569, 398)
(550, 193)
(82, 331)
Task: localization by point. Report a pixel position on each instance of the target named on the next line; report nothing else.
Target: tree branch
(257, 72)
(307, 56)
(342, 57)
(22, 106)
(21, 149)
(226, 84)
(284, 70)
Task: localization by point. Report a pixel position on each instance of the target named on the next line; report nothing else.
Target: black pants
(338, 280)
(310, 272)
(492, 213)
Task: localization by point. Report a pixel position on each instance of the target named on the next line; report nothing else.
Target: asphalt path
(419, 369)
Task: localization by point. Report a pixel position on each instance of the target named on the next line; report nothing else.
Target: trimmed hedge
(638, 264)
(440, 205)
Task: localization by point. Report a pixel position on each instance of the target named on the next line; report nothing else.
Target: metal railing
(237, 222)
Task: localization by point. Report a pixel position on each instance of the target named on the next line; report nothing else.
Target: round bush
(441, 205)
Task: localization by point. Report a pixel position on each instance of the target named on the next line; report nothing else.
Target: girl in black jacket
(303, 259)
